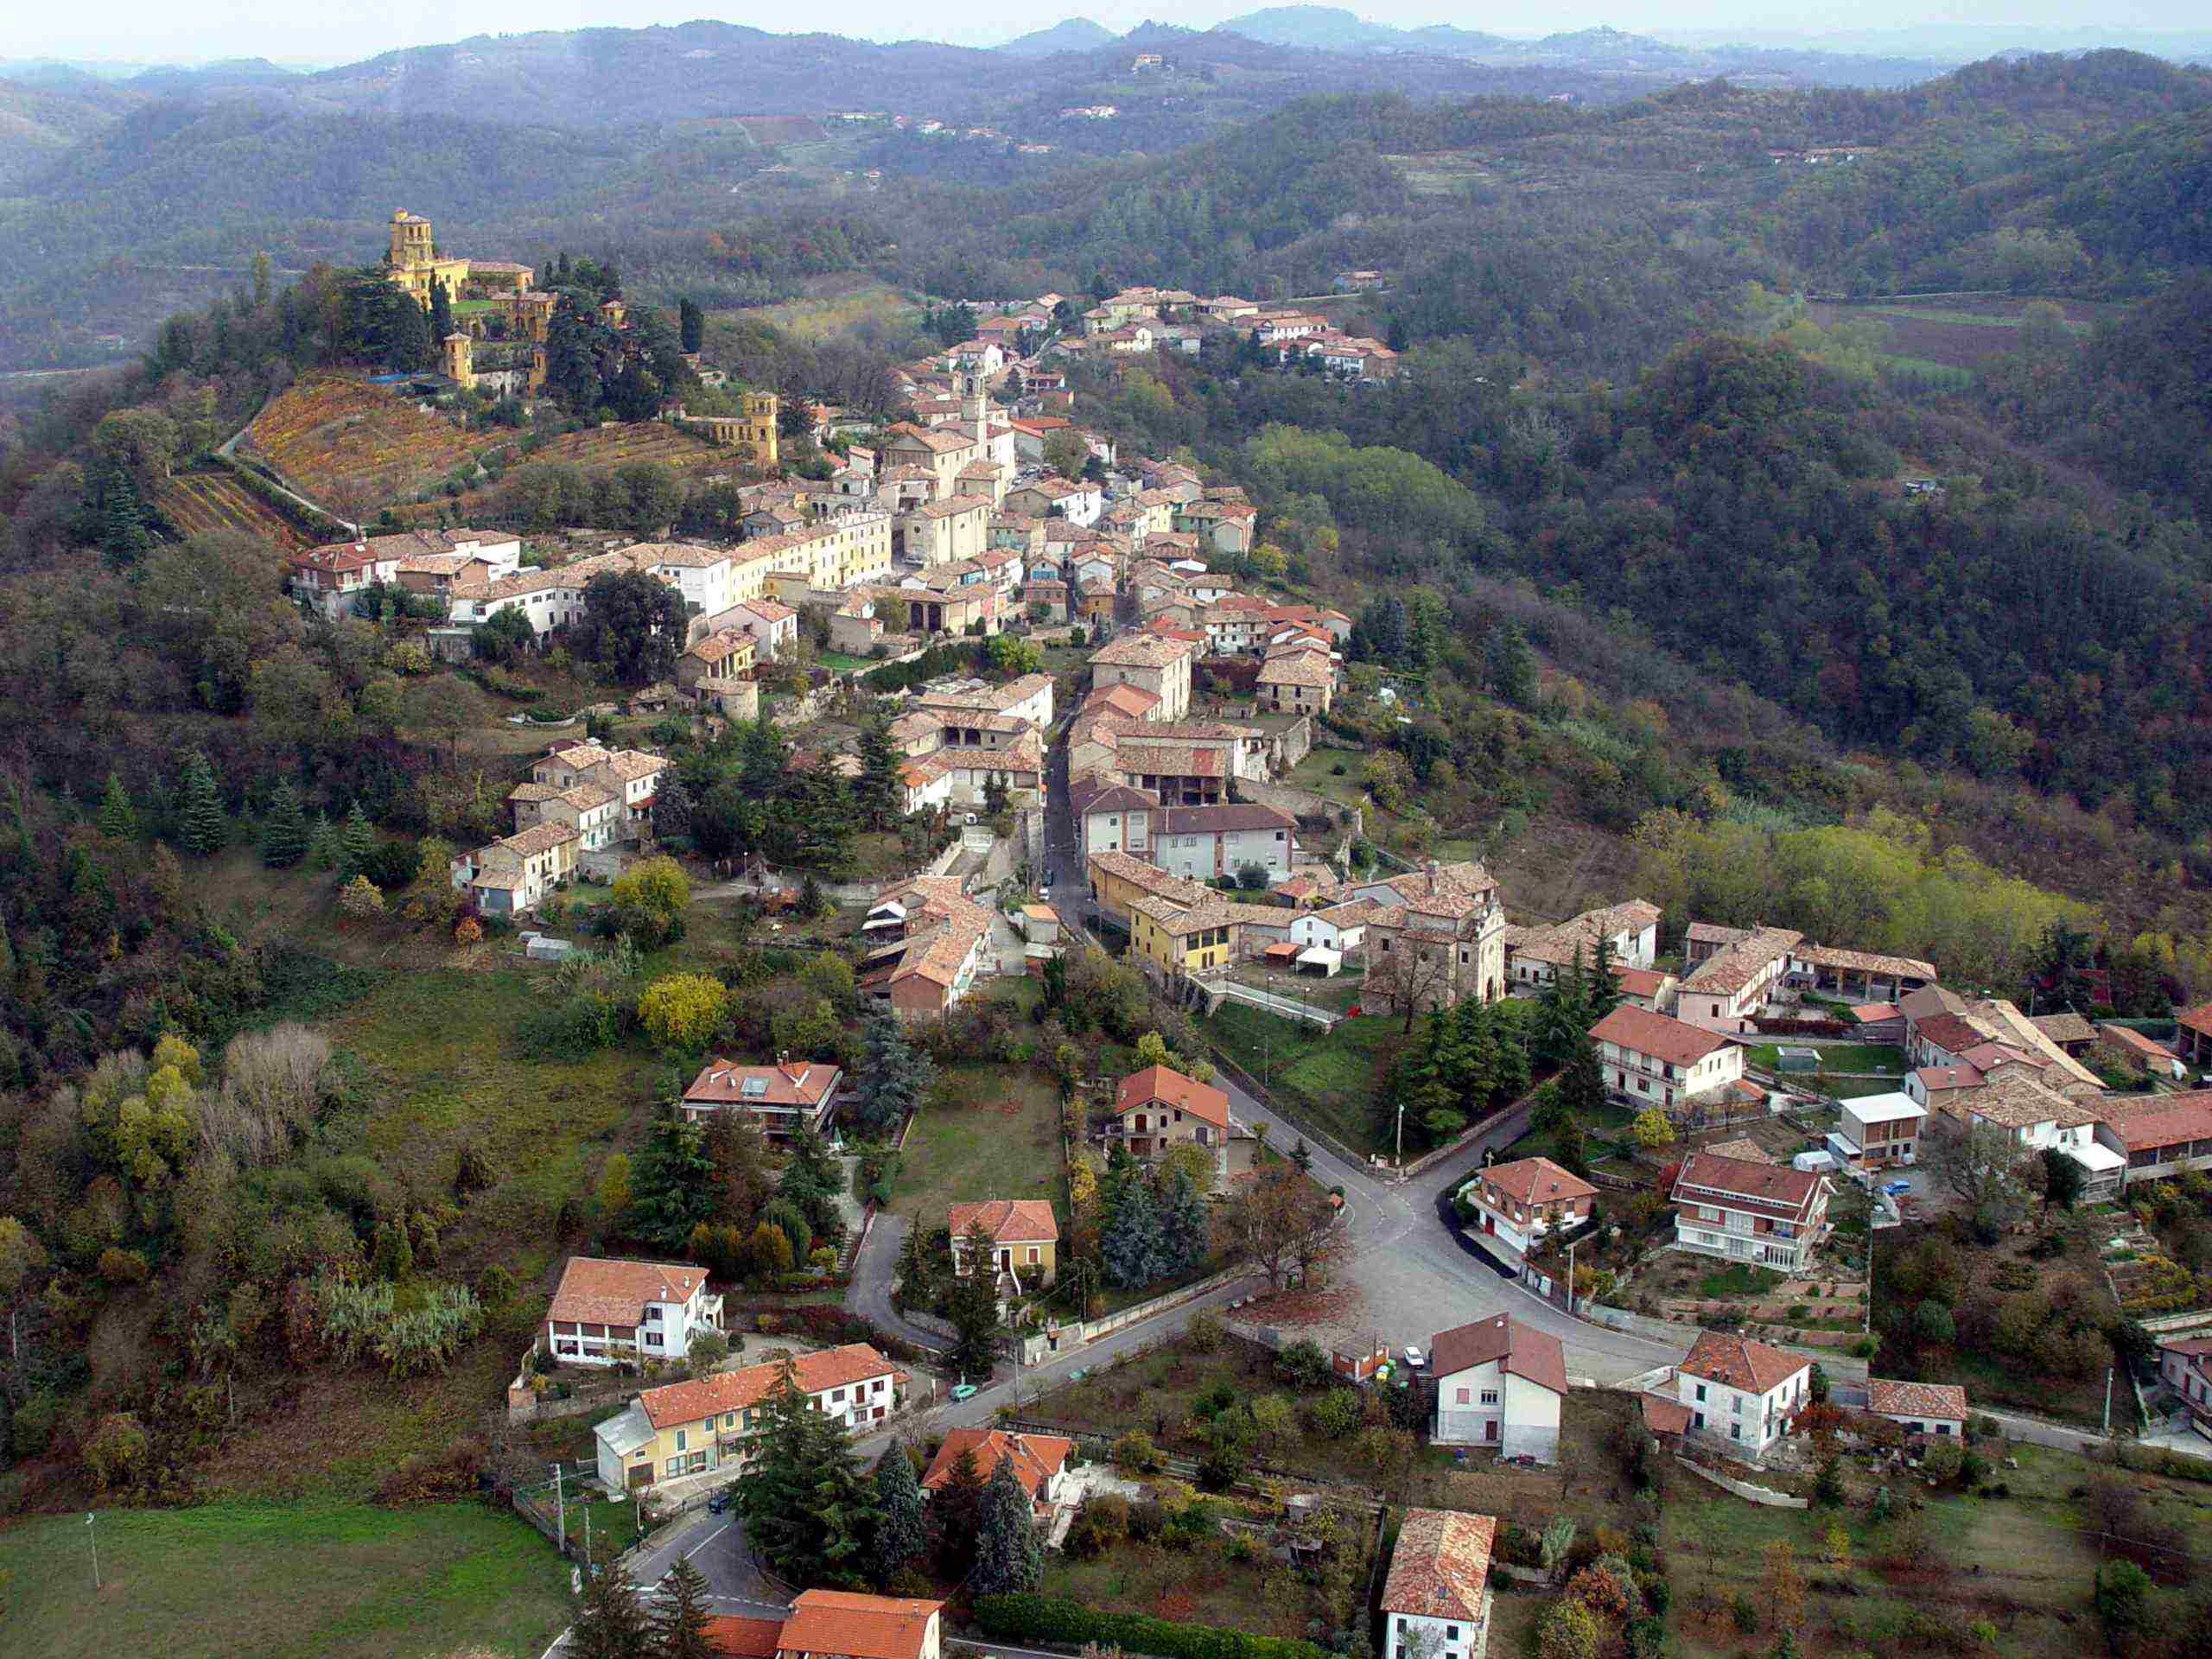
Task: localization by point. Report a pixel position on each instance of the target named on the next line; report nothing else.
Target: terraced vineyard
(605, 446)
(340, 441)
(193, 502)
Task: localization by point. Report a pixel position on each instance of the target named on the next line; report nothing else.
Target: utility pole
(93, 1533)
(586, 1537)
(1572, 1244)
(1399, 1157)
(561, 1503)
(2107, 1403)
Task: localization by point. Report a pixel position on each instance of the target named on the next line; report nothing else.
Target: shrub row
(1055, 1618)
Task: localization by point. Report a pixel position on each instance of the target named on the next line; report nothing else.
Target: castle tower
(761, 410)
(411, 248)
(456, 351)
(977, 412)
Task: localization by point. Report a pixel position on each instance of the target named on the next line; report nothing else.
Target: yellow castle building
(414, 264)
(755, 428)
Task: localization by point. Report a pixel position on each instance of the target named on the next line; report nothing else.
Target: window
(1463, 1396)
(1735, 1431)
(1701, 1391)
(679, 1439)
(1490, 1397)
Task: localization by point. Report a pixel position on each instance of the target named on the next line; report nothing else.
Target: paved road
(874, 1269)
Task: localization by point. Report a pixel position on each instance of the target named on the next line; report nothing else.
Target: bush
(1135, 1454)
(1943, 1459)
(1032, 1617)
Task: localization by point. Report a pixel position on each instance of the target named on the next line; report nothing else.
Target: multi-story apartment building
(1767, 1215)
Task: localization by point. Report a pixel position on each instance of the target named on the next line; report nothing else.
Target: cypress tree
(356, 841)
(956, 1515)
(441, 314)
(123, 535)
(900, 1532)
(284, 832)
(691, 324)
(118, 819)
(201, 826)
(972, 1306)
(1007, 1557)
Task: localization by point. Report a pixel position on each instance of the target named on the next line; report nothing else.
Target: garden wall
(1744, 1489)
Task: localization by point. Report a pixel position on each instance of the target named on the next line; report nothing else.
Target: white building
(1523, 1201)
(1938, 1408)
(1436, 1600)
(1767, 1215)
(1741, 1391)
(1877, 1130)
(1650, 1059)
(608, 1312)
(1499, 1384)
(1341, 928)
(1206, 842)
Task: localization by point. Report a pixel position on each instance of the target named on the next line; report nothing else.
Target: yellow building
(754, 429)
(1118, 880)
(415, 262)
(458, 350)
(1181, 939)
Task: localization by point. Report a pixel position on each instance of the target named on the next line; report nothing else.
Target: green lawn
(845, 663)
(1327, 1076)
(1884, 1058)
(1739, 1279)
(1002, 1141)
(317, 1582)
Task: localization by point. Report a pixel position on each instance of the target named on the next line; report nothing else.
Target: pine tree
(201, 826)
(1009, 1558)
(322, 845)
(956, 1516)
(893, 1076)
(1132, 1244)
(1602, 993)
(1582, 1081)
(673, 805)
(1476, 1081)
(690, 324)
(972, 1306)
(1184, 1224)
(123, 535)
(806, 1507)
(356, 841)
(901, 1533)
(284, 831)
(118, 819)
(875, 792)
(679, 1623)
(612, 1625)
(671, 1182)
(917, 1269)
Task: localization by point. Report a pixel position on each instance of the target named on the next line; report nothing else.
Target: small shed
(1797, 1059)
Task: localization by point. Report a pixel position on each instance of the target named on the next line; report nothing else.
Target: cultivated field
(1954, 333)
(340, 441)
(193, 502)
(603, 448)
(830, 305)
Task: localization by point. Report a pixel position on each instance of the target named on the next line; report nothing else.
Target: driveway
(874, 1269)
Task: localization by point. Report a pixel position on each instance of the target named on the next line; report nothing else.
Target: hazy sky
(338, 31)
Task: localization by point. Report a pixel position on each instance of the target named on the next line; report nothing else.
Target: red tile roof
(600, 1292)
(1036, 1458)
(1157, 1084)
(709, 1396)
(1537, 1180)
(1526, 1350)
(2159, 1120)
(1440, 1566)
(1008, 1221)
(1740, 1362)
(1951, 1032)
(744, 1639)
(1776, 1190)
(1646, 1032)
(1894, 1399)
(723, 1083)
(858, 1626)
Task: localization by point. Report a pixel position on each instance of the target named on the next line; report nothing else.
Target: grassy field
(1947, 338)
(1328, 1076)
(2020, 1562)
(1884, 1058)
(832, 305)
(230, 1581)
(1002, 1142)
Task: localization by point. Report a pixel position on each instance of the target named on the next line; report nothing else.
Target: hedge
(1034, 1617)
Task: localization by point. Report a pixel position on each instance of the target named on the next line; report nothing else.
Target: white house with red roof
(1159, 1107)
(2185, 1363)
(783, 1098)
(1937, 1408)
(1767, 1215)
(1652, 1059)
(1522, 1201)
(1740, 1391)
(608, 1312)
(1040, 1461)
(1499, 1384)
(1436, 1601)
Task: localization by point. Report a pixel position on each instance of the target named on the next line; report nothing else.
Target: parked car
(1416, 1358)
(722, 1500)
(963, 1390)
(1895, 1187)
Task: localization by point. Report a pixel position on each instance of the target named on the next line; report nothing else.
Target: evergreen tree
(875, 792)
(1476, 1081)
(811, 1181)
(441, 314)
(671, 1182)
(1573, 1145)
(1009, 1557)
(284, 831)
(612, 1623)
(956, 1516)
(1183, 1224)
(738, 1152)
(201, 826)
(679, 1623)
(672, 802)
(356, 841)
(690, 324)
(807, 1507)
(123, 535)
(1602, 993)
(917, 1269)
(118, 819)
(1510, 665)
(893, 1076)
(971, 1304)
(1132, 1244)
(407, 344)
(901, 1533)
(1582, 1082)
(322, 845)
(1302, 1156)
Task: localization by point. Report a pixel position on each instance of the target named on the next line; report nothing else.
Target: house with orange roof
(1938, 1408)
(708, 1423)
(783, 1098)
(1025, 1239)
(1653, 1059)
(1436, 1601)
(605, 1312)
(846, 1624)
(1741, 1392)
(1040, 1461)
(1159, 1107)
(1522, 1201)
(1766, 1215)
